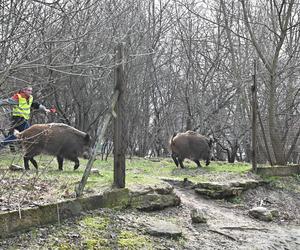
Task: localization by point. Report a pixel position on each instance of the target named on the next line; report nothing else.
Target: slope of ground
(228, 224)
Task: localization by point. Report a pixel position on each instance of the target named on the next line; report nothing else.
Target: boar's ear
(87, 138)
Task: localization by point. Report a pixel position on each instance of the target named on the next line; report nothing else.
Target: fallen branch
(246, 228)
(224, 234)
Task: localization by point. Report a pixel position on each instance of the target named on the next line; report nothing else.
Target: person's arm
(9, 101)
(36, 105)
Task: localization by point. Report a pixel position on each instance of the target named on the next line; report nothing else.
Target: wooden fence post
(254, 119)
(119, 122)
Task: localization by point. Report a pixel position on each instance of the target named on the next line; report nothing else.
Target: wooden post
(254, 119)
(119, 123)
(264, 137)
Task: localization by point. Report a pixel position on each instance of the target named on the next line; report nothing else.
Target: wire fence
(20, 189)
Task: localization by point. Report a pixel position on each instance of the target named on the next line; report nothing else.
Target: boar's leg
(198, 163)
(181, 162)
(207, 162)
(33, 161)
(76, 163)
(60, 161)
(26, 162)
(174, 157)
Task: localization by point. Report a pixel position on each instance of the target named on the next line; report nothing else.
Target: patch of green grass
(97, 243)
(297, 177)
(229, 167)
(142, 179)
(270, 178)
(87, 232)
(290, 183)
(143, 166)
(65, 246)
(59, 240)
(235, 200)
(93, 230)
(130, 240)
(99, 223)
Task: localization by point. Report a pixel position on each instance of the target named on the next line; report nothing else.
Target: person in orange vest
(22, 102)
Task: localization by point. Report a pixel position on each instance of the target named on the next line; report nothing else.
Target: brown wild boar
(190, 145)
(56, 139)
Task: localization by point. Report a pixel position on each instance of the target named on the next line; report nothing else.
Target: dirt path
(230, 227)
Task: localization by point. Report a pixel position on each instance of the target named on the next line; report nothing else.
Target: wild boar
(56, 139)
(190, 145)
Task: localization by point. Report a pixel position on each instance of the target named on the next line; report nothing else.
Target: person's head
(27, 91)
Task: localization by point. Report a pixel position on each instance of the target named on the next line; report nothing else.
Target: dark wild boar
(190, 145)
(56, 139)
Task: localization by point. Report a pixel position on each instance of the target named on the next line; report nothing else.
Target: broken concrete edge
(19, 221)
(278, 170)
(15, 221)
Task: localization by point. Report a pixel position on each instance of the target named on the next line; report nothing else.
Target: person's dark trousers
(19, 124)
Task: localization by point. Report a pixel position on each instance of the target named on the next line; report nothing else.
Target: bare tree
(276, 19)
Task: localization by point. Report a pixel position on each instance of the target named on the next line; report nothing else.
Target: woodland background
(188, 65)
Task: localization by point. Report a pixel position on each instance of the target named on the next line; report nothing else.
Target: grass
(131, 240)
(290, 183)
(230, 167)
(49, 184)
(86, 232)
(99, 223)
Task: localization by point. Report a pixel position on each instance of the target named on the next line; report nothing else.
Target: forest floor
(228, 226)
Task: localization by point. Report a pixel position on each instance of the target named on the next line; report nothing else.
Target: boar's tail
(171, 140)
(175, 133)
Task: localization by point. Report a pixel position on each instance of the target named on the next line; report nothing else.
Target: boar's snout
(87, 147)
(86, 155)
